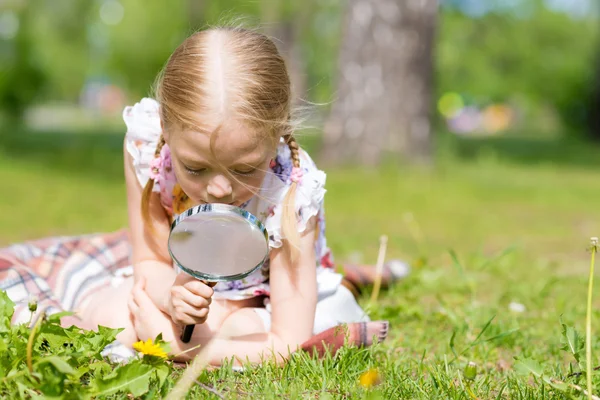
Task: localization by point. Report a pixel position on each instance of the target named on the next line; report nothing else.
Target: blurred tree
(283, 21)
(58, 29)
(385, 83)
(22, 78)
(532, 57)
(539, 60)
(138, 47)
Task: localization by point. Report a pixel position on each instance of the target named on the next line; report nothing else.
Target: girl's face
(232, 175)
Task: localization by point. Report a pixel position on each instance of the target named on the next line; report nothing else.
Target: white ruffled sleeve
(308, 202)
(143, 133)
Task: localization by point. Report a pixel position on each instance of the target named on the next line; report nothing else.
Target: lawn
(497, 234)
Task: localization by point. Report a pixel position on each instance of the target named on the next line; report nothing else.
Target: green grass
(494, 222)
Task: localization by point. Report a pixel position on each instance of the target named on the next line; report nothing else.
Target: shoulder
(143, 120)
(143, 131)
(308, 199)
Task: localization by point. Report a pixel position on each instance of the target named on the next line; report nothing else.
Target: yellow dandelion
(369, 378)
(150, 349)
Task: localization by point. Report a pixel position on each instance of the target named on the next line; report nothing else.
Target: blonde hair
(255, 87)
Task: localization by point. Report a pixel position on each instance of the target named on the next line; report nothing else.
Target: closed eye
(244, 172)
(192, 171)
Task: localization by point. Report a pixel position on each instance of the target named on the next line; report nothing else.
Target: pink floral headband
(160, 163)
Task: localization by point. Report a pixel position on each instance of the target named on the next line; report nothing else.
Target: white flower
(516, 307)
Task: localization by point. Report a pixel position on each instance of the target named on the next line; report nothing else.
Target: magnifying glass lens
(218, 245)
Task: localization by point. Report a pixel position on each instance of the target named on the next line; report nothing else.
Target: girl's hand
(189, 300)
(148, 321)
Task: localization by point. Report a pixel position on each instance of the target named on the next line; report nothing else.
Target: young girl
(219, 131)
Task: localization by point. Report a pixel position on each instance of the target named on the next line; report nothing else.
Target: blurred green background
(496, 224)
(514, 98)
(79, 61)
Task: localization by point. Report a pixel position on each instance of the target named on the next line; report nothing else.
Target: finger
(132, 305)
(135, 288)
(186, 314)
(187, 297)
(182, 296)
(185, 319)
(187, 309)
(141, 298)
(199, 288)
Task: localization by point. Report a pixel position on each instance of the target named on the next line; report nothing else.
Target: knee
(243, 322)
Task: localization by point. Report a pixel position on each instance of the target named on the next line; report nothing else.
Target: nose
(219, 190)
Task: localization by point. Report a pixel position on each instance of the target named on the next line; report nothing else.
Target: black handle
(186, 335)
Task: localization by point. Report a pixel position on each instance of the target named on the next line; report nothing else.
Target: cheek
(249, 186)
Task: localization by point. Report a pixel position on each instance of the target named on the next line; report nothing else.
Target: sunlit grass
(518, 229)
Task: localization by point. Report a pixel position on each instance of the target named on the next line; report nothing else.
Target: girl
(220, 131)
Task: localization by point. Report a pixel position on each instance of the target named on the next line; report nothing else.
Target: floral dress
(65, 273)
(143, 133)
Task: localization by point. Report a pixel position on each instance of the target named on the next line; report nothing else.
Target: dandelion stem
(588, 321)
(379, 268)
(31, 340)
(470, 391)
(188, 350)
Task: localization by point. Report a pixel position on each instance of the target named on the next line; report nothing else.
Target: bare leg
(257, 345)
(108, 307)
(243, 337)
(74, 320)
(363, 275)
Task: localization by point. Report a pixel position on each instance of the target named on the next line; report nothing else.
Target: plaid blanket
(60, 272)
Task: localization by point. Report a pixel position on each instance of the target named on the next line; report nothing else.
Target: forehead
(232, 141)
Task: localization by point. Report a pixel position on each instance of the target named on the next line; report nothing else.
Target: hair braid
(290, 140)
(147, 193)
(289, 221)
(159, 146)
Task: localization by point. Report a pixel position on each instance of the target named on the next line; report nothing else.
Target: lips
(220, 202)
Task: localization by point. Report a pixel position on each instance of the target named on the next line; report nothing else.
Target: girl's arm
(150, 255)
(294, 291)
(293, 304)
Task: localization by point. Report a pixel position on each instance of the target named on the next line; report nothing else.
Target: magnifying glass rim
(219, 209)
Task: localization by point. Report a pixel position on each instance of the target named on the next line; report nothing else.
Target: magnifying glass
(217, 243)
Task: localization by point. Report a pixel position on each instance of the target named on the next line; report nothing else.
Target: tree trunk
(385, 83)
(285, 29)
